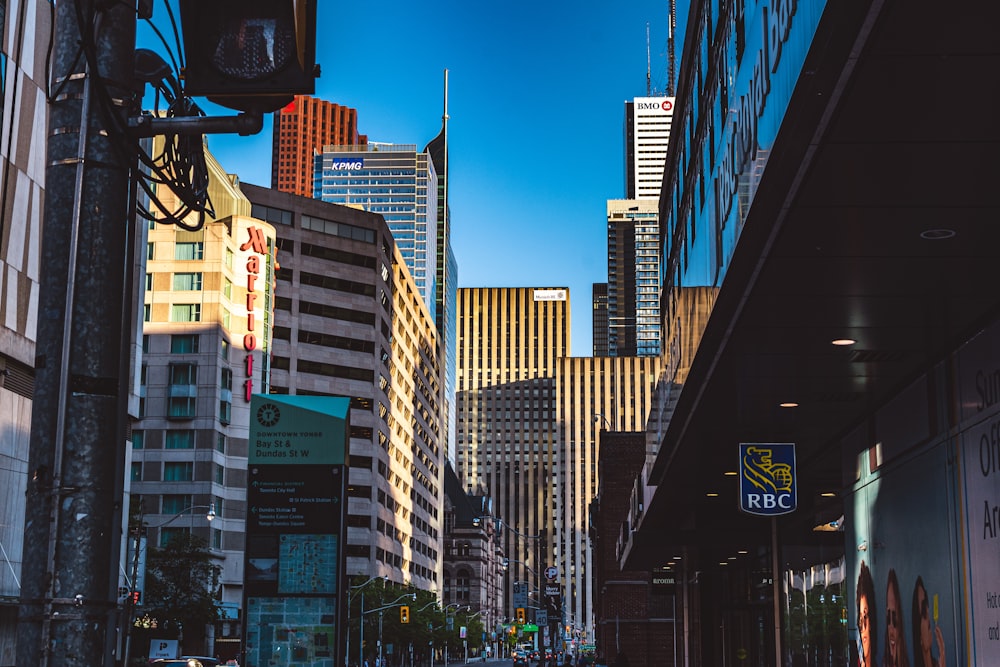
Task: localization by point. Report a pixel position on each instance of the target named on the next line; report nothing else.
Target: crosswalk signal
(520, 615)
(251, 55)
(404, 614)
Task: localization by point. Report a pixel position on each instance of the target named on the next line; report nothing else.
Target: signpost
(295, 588)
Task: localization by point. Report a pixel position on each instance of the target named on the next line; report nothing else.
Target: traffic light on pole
(520, 615)
(404, 614)
(251, 55)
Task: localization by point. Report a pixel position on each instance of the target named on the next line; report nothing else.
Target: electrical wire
(180, 166)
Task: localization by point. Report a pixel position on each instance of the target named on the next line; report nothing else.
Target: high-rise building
(446, 268)
(302, 129)
(647, 133)
(349, 321)
(22, 161)
(592, 394)
(207, 311)
(400, 183)
(599, 294)
(510, 341)
(633, 303)
(634, 325)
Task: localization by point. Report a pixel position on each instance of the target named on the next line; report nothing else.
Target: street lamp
(137, 547)
(380, 610)
(598, 417)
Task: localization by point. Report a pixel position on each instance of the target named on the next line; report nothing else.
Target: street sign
(520, 591)
(551, 572)
(767, 478)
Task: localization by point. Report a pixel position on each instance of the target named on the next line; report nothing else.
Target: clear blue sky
(536, 106)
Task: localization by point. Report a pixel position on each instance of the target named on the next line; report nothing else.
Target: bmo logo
(346, 164)
(665, 105)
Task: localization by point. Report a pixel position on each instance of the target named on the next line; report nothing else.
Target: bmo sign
(664, 104)
(767, 478)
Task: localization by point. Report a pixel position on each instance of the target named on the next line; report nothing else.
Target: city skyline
(538, 162)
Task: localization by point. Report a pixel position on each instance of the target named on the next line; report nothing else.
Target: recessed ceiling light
(937, 234)
(742, 551)
(843, 341)
(731, 558)
(722, 562)
(828, 494)
(712, 494)
(730, 473)
(788, 404)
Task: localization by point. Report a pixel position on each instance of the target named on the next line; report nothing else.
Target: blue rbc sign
(767, 478)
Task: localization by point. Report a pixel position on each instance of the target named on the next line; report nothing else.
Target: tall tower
(648, 122)
(446, 268)
(510, 341)
(400, 183)
(301, 129)
(599, 293)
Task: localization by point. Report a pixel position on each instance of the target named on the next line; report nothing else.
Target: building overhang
(876, 220)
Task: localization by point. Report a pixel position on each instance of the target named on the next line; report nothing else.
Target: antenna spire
(671, 58)
(648, 89)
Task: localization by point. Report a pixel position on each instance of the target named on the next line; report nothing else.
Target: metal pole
(361, 637)
(77, 444)
(380, 638)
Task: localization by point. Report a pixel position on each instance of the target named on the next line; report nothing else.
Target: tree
(182, 584)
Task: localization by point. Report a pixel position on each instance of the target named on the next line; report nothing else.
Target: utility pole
(73, 517)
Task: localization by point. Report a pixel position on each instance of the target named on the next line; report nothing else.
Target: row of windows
(176, 471)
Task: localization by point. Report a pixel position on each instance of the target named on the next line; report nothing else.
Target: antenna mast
(671, 59)
(648, 90)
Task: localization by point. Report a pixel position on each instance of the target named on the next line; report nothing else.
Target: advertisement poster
(981, 493)
(903, 575)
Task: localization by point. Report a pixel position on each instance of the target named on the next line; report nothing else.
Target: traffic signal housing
(520, 615)
(251, 55)
(404, 614)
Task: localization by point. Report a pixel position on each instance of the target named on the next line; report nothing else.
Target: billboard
(294, 583)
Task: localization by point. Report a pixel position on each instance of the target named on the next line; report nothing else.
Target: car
(185, 661)
(520, 658)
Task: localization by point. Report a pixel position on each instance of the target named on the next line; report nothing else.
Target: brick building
(633, 617)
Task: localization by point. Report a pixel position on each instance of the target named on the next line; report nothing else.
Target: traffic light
(404, 614)
(251, 55)
(520, 615)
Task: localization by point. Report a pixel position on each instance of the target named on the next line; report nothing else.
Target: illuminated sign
(257, 244)
(550, 295)
(767, 478)
(665, 104)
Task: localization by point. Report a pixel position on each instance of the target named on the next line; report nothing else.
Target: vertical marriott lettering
(257, 244)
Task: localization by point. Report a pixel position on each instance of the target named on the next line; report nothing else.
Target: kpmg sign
(767, 478)
(346, 164)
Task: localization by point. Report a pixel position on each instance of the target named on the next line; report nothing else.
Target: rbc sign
(767, 478)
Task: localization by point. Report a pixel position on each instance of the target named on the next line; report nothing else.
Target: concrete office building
(207, 319)
(592, 395)
(301, 130)
(842, 250)
(22, 154)
(634, 326)
(350, 321)
(510, 341)
(401, 184)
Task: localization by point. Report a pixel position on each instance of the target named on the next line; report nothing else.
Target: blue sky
(536, 106)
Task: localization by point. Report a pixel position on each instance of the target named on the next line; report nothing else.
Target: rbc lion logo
(767, 478)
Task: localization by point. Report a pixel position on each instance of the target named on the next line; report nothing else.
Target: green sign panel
(530, 627)
(294, 560)
(296, 430)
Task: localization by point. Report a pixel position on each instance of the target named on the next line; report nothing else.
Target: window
(226, 379)
(216, 539)
(136, 475)
(189, 250)
(225, 411)
(227, 289)
(225, 349)
(185, 312)
(184, 343)
(137, 438)
(217, 504)
(149, 251)
(179, 440)
(187, 282)
(183, 374)
(149, 282)
(178, 471)
(220, 443)
(229, 258)
(181, 407)
(220, 474)
(176, 503)
(147, 312)
(145, 343)
(168, 535)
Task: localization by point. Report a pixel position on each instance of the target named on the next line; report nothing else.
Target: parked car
(185, 661)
